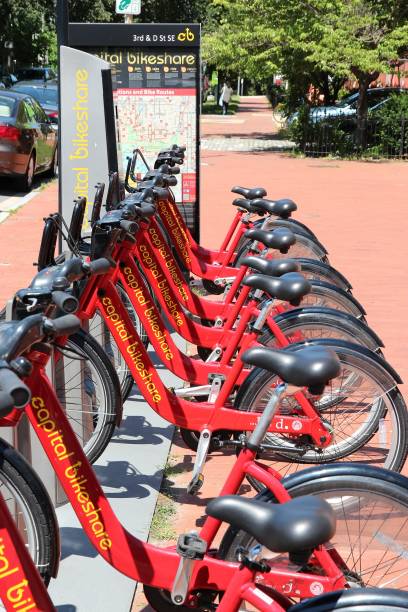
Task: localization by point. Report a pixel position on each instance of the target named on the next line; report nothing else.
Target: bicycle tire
(106, 415)
(327, 295)
(353, 492)
(17, 475)
(382, 427)
(314, 323)
(317, 270)
(291, 223)
(363, 600)
(311, 268)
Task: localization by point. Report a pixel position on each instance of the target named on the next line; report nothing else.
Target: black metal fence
(322, 135)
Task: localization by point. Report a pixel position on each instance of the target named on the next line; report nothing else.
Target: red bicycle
(303, 432)
(193, 575)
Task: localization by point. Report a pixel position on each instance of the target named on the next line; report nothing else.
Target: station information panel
(156, 91)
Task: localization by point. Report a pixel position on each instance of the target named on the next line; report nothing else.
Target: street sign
(156, 91)
(128, 7)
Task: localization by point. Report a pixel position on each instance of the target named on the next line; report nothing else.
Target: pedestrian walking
(225, 97)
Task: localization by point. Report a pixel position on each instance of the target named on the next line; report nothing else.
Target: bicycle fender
(351, 468)
(346, 294)
(350, 345)
(298, 230)
(306, 260)
(297, 312)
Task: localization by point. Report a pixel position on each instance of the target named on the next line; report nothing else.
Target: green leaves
(342, 37)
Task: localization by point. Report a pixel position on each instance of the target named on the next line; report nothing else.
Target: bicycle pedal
(195, 484)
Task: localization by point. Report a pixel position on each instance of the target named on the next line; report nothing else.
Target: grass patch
(171, 469)
(212, 107)
(161, 528)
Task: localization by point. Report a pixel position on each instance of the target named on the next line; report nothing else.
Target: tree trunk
(364, 80)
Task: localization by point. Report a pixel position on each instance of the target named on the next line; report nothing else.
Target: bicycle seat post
(264, 313)
(264, 421)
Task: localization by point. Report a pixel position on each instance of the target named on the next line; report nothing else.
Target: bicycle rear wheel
(362, 600)
(328, 295)
(305, 246)
(371, 508)
(362, 408)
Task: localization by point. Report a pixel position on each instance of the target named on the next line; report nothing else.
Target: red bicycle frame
(100, 294)
(143, 562)
(174, 295)
(202, 262)
(21, 587)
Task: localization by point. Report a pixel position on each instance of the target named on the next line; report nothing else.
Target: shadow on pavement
(75, 542)
(9, 186)
(132, 482)
(140, 431)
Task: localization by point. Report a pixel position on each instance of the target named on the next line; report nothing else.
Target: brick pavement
(20, 236)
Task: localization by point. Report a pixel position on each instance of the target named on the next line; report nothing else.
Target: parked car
(28, 140)
(41, 74)
(46, 93)
(347, 107)
(6, 79)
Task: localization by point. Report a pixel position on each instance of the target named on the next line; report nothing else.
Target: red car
(28, 140)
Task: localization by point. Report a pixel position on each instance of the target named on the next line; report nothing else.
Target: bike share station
(152, 70)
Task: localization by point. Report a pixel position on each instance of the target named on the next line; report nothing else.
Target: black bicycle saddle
(249, 193)
(244, 204)
(281, 208)
(298, 525)
(290, 287)
(280, 238)
(311, 366)
(271, 267)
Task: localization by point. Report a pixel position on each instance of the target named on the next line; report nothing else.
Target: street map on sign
(154, 119)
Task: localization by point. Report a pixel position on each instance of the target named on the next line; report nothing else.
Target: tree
(336, 38)
(27, 26)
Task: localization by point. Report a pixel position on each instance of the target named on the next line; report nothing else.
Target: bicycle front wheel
(88, 389)
(31, 508)
(371, 508)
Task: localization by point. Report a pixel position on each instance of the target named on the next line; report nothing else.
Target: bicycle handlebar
(16, 337)
(65, 301)
(166, 169)
(129, 226)
(12, 389)
(63, 326)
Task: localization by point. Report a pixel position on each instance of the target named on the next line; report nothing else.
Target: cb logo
(186, 35)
